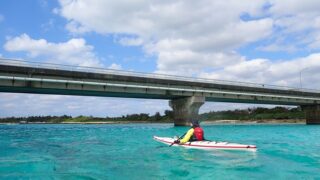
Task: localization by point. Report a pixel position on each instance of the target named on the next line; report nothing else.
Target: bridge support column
(312, 113)
(185, 109)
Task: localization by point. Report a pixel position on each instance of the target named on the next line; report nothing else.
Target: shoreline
(106, 122)
(271, 121)
(208, 122)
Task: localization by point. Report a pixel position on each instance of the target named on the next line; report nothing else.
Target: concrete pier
(312, 113)
(185, 109)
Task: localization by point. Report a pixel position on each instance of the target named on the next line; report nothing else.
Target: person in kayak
(194, 134)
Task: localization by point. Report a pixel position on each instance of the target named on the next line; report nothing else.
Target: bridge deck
(46, 80)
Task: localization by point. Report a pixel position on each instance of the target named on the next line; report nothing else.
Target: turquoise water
(129, 152)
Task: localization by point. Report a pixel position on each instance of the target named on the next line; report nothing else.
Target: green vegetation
(167, 117)
(277, 113)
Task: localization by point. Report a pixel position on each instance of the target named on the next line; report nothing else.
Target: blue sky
(37, 20)
(263, 41)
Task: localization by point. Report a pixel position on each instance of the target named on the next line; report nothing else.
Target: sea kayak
(207, 145)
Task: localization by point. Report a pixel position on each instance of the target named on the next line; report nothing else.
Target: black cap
(195, 123)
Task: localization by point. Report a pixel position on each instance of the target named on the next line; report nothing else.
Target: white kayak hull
(207, 145)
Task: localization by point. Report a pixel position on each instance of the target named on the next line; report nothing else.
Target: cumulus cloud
(198, 34)
(189, 37)
(293, 7)
(296, 25)
(191, 34)
(73, 52)
(264, 71)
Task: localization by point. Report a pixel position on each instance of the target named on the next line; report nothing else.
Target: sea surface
(127, 151)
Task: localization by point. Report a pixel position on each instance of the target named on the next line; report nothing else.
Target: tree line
(143, 117)
(259, 113)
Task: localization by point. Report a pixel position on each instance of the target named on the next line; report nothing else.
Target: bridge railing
(22, 63)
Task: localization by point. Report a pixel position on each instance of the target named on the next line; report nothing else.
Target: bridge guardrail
(13, 78)
(22, 63)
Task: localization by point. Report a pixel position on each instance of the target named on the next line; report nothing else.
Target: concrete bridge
(186, 94)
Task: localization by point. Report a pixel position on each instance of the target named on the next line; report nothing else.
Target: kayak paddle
(177, 139)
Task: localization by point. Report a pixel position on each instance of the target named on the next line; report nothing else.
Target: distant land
(250, 115)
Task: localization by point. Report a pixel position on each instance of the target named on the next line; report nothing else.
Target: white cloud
(278, 48)
(296, 25)
(190, 63)
(292, 7)
(115, 66)
(75, 28)
(214, 106)
(264, 71)
(73, 52)
(12, 104)
(191, 34)
(48, 25)
(131, 41)
(188, 37)
(199, 29)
